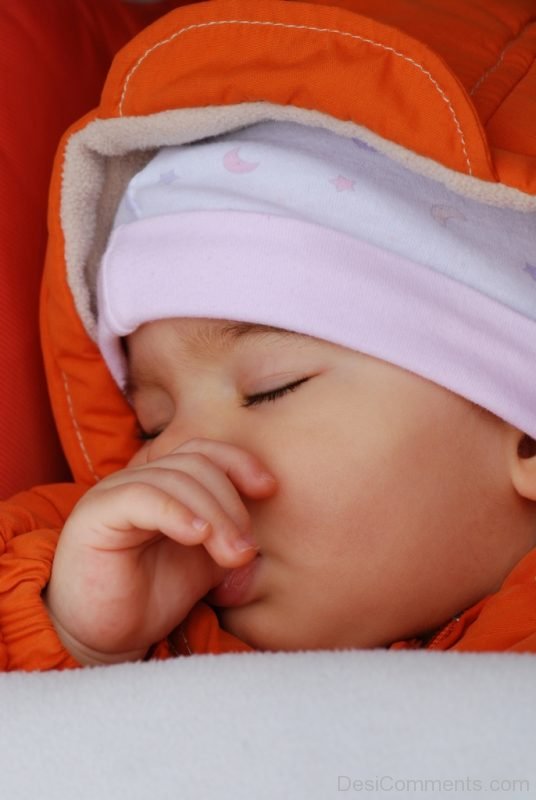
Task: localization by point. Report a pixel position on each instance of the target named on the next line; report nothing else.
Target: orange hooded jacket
(448, 86)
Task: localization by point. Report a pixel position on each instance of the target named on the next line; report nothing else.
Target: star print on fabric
(531, 269)
(342, 184)
(168, 177)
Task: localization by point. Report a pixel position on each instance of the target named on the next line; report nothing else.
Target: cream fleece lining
(101, 159)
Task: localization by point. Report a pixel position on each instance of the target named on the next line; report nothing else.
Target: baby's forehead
(199, 334)
(198, 338)
(227, 332)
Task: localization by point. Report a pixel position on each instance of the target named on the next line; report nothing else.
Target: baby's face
(392, 493)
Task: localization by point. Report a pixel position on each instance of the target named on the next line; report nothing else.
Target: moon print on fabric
(233, 163)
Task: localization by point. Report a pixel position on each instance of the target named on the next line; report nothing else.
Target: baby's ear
(522, 451)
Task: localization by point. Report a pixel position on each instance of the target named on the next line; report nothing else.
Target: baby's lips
(237, 586)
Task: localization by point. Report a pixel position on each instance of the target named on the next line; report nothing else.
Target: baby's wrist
(87, 656)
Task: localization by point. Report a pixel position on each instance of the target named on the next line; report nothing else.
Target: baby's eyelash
(263, 397)
(251, 400)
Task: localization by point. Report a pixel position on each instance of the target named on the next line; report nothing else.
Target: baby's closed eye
(250, 400)
(274, 394)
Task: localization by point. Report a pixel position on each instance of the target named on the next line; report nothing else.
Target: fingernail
(265, 476)
(245, 542)
(199, 524)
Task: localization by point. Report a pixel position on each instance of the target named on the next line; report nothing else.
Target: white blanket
(266, 726)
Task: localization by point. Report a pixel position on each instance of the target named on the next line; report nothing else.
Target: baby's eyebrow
(230, 333)
(224, 338)
(207, 338)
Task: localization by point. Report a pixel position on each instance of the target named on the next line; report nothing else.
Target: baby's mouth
(236, 587)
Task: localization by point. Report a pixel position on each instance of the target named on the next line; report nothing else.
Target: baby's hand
(146, 543)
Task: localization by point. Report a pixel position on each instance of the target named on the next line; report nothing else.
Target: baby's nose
(175, 435)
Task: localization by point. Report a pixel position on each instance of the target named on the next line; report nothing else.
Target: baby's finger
(207, 473)
(130, 513)
(218, 469)
(246, 471)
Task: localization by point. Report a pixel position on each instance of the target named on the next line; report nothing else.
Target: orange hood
(415, 82)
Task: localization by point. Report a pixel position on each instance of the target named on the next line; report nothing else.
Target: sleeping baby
(337, 441)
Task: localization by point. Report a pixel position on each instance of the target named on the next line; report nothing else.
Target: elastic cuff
(28, 639)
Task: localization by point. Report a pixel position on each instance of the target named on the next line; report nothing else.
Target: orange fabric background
(54, 57)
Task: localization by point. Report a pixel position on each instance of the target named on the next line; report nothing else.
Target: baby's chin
(258, 626)
(252, 624)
